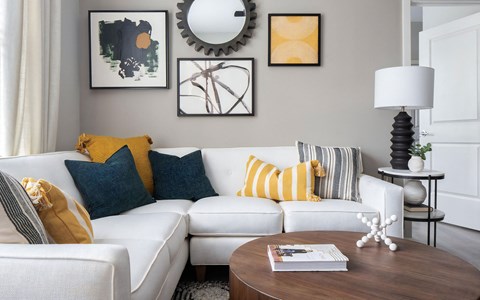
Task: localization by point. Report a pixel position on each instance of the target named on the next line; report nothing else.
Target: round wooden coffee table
(414, 271)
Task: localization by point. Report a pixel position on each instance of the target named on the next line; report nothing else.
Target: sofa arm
(64, 272)
(386, 197)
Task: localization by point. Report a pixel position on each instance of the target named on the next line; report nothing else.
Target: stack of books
(417, 207)
(310, 257)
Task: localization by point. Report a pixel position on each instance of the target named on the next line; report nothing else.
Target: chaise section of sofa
(139, 254)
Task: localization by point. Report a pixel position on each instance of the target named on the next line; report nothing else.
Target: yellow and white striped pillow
(264, 180)
(65, 220)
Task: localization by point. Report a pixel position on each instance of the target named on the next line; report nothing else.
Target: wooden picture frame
(294, 39)
(128, 49)
(215, 87)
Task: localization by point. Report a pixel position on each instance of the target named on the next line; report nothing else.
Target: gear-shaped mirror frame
(225, 48)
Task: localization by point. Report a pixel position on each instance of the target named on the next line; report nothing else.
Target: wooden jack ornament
(377, 231)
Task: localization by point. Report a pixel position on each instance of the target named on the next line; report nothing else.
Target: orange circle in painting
(143, 40)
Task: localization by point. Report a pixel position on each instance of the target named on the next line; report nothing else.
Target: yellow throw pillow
(65, 220)
(267, 181)
(100, 148)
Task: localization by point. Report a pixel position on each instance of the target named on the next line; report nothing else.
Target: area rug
(208, 290)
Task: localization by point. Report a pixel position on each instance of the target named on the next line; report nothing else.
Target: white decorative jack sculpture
(377, 231)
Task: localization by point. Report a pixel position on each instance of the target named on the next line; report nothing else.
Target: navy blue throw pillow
(109, 188)
(180, 177)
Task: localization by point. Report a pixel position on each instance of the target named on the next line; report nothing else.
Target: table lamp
(401, 88)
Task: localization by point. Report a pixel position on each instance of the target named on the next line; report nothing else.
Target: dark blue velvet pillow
(180, 177)
(109, 188)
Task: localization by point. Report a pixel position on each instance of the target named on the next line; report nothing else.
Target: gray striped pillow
(342, 166)
(19, 222)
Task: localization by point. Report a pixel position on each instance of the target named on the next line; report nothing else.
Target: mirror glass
(216, 21)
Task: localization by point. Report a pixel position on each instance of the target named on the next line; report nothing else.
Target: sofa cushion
(66, 221)
(267, 181)
(19, 222)
(235, 216)
(180, 177)
(180, 207)
(225, 167)
(100, 148)
(165, 227)
(328, 214)
(109, 188)
(342, 166)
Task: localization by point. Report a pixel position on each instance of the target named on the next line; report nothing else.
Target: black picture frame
(128, 49)
(215, 87)
(299, 41)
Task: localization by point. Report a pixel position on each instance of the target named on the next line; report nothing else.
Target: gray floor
(461, 242)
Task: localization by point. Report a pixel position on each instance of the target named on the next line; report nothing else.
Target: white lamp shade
(410, 87)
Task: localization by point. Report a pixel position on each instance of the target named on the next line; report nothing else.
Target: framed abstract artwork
(128, 49)
(294, 39)
(215, 87)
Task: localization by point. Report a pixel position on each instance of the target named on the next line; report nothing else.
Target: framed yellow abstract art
(294, 39)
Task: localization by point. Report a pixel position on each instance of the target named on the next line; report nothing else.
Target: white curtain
(29, 75)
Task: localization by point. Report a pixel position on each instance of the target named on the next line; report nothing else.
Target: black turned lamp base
(402, 139)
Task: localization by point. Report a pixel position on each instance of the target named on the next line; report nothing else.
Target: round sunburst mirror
(217, 26)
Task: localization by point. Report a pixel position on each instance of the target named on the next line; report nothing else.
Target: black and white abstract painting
(215, 87)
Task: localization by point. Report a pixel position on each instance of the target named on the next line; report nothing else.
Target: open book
(308, 257)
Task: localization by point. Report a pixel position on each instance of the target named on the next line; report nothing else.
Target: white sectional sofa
(141, 253)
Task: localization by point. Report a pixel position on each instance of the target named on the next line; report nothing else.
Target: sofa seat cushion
(161, 206)
(164, 227)
(149, 264)
(235, 216)
(178, 206)
(327, 214)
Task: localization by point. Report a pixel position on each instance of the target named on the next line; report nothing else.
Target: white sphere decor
(377, 231)
(415, 164)
(414, 192)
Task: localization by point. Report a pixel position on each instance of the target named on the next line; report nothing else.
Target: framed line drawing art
(128, 49)
(294, 39)
(215, 87)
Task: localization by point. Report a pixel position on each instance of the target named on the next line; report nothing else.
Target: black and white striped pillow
(19, 221)
(342, 166)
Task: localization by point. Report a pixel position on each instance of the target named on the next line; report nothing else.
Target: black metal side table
(435, 215)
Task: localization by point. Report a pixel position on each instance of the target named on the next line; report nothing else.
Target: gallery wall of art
(330, 104)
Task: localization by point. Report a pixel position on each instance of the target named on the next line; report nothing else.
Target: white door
(453, 125)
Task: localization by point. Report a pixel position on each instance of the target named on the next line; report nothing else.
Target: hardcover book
(416, 208)
(309, 257)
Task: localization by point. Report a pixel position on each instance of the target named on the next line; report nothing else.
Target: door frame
(406, 19)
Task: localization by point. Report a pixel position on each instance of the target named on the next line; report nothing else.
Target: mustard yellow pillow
(267, 181)
(65, 220)
(100, 148)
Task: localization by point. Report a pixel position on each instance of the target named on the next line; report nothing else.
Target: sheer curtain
(29, 75)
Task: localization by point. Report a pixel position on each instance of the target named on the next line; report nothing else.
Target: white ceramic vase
(415, 164)
(414, 192)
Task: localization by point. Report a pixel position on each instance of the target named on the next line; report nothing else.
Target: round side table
(435, 215)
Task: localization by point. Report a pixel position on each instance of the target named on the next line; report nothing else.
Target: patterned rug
(208, 290)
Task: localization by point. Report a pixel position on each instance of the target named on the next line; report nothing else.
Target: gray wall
(69, 107)
(327, 105)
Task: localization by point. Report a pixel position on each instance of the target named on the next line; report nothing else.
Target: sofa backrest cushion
(225, 167)
(48, 166)
(19, 222)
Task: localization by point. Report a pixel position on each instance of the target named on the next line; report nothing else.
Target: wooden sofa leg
(200, 272)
